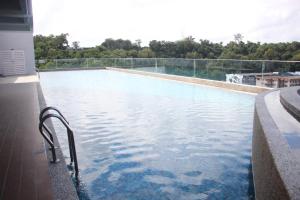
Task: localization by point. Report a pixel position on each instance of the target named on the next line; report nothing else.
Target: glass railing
(267, 73)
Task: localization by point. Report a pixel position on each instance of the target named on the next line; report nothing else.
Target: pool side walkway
(24, 172)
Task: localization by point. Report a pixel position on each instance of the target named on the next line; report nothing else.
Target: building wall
(20, 40)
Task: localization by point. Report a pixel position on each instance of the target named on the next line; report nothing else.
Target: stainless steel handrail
(72, 148)
(52, 108)
(44, 125)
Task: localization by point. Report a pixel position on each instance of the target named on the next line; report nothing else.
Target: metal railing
(37, 70)
(49, 136)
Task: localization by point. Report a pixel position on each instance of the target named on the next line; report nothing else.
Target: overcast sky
(92, 21)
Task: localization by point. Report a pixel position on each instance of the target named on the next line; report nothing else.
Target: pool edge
(275, 163)
(218, 84)
(61, 180)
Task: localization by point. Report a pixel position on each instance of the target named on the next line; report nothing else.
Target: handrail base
(56, 161)
(50, 148)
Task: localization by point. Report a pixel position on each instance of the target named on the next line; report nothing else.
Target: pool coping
(71, 69)
(213, 83)
(290, 99)
(62, 184)
(275, 163)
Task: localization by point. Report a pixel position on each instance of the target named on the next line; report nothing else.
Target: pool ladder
(49, 136)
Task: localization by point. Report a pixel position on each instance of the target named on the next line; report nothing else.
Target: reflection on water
(145, 138)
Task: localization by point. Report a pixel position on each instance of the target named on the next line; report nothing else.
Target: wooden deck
(24, 172)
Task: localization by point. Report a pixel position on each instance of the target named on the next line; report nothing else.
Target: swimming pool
(140, 137)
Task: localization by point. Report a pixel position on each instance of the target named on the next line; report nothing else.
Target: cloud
(91, 21)
(279, 24)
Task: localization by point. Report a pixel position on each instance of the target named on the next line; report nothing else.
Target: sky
(92, 21)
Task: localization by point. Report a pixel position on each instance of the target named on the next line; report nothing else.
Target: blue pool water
(146, 138)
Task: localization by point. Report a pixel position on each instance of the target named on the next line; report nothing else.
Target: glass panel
(264, 73)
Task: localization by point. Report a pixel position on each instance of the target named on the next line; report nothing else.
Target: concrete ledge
(220, 84)
(71, 69)
(275, 149)
(290, 99)
(19, 79)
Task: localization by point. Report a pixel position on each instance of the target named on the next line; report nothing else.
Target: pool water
(140, 137)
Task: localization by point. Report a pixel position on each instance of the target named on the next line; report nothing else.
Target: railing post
(74, 153)
(155, 64)
(262, 73)
(194, 68)
(207, 69)
(223, 70)
(70, 146)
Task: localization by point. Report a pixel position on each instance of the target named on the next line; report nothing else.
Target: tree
(270, 54)
(75, 45)
(57, 46)
(193, 54)
(60, 41)
(118, 44)
(146, 53)
(296, 56)
(184, 46)
(238, 38)
(138, 43)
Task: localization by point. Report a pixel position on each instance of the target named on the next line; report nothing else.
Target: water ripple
(142, 138)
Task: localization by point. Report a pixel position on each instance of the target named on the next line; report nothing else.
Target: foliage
(57, 47)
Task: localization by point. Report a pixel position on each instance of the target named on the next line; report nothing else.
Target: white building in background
(234, 78)
(278, 81)
(273, 80)
(16, 38)
(248, 79)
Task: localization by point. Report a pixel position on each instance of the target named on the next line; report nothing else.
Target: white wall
(20, 40)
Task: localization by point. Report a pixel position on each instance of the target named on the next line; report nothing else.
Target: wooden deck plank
(24, 172)
(14, 174)
(6, 156)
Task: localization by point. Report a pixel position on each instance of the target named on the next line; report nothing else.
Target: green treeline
(58, 47)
